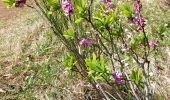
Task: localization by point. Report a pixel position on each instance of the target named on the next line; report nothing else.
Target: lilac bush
(119, 49)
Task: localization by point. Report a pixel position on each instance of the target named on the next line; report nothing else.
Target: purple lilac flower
(153, 43)
(109, 5)
(20, 3)
(138, 8)
(119, 78)
(67, 7)
(86, 42)
(140, 20)
(98, 86)
(140, 23)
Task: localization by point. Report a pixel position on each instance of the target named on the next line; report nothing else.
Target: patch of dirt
(6, 13)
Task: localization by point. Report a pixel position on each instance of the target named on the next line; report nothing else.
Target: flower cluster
(20, 3)
(140, 20)
(109, 5)
(86, 42)
(98, 86)
(67, 7)
(138, 8)
(119, 78)
(153, 44)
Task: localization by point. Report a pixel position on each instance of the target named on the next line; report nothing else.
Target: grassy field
(31, 59)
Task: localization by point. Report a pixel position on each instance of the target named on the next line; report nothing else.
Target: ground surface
(6, 13)
(26, 44)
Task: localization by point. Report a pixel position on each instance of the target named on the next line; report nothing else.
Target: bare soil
(6, 13)
(11, 13)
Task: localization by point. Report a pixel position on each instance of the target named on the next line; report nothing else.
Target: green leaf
(83, 2)
(80, 9)
(50, 13)
(137, 77)
(79, 20)
(133, 42)
(109, 19)
(127, 13)
(99, 77)
(141, 37)
(102, 63)
(162, 98)
(127, 9)
(53, 5)
(69, 61)
(98, 19)
(94, 57)
(97, 68)
(69, 33)
(9, 3)
(161, 28)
